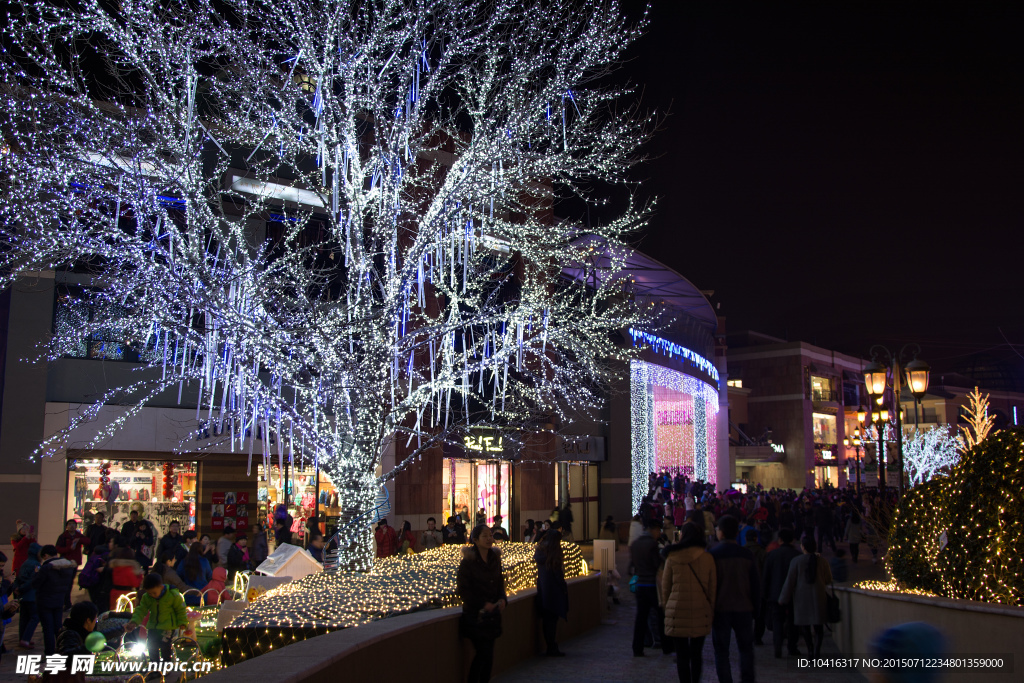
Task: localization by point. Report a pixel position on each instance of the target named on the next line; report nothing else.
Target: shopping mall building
(667, 413)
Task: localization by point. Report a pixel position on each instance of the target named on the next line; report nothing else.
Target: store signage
(827, 454)
(229, 509)
(672, 350)
(484, 444)
(778, 447)
(582, 448)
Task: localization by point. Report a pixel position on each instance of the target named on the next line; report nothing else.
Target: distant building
(787, 406)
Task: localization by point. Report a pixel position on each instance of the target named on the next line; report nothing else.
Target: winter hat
(915, 639)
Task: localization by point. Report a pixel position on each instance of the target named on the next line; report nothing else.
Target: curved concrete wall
(423, 646)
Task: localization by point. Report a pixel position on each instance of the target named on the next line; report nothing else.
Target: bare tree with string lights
(328, 224)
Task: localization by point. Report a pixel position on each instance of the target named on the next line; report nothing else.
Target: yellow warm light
(892, 586)
(125, 602)
(241, 583)
(395, 585)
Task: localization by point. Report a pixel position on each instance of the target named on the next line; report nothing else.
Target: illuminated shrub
(963, 536)
(984, 557)
(916, 535)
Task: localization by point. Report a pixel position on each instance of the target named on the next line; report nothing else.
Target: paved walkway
(605, 653)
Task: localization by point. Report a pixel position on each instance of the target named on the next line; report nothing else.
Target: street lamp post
(856, 441)
(917, 380)
(877, 379)
(879, 418)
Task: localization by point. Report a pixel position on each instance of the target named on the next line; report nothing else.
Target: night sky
(842, 174)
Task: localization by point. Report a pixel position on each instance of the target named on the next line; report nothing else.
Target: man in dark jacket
(52, 582)
(738, 592)
(260, 548)
(565, 518)
(129, 527)
(97, 532)
(171, 542)
(757, 550)
(453, 532)
(776, 567)
(645, 557)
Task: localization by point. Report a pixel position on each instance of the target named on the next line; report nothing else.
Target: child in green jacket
(166, 610)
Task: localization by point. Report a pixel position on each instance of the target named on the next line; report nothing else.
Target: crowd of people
(114, 563)
(737, 563)
(702, 562)
(389, 541)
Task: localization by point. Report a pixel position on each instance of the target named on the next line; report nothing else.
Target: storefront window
(821, 389)
(826, 475)
(134, 485)
(304, 496)
(824, 428)
(473, 485)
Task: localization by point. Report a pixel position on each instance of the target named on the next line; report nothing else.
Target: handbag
(833, 613)
(702, 588)
(632, 583)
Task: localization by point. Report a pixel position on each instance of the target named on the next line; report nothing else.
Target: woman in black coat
(552, 591)
(481, 586)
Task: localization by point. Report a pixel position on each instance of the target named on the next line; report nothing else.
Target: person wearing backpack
(92, 575)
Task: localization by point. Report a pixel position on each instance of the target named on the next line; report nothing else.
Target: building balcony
(825, 396)
(747, 456)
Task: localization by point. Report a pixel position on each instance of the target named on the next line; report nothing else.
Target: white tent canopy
(288, 561)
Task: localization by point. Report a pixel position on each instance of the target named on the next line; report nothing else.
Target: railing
(823, 395)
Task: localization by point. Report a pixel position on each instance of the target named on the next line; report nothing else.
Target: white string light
(327, 224)
(650, 433)
(929, 452)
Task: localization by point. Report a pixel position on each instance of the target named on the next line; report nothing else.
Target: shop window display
(305, 498)
(132, 485)
(472, 485)
(824, 428)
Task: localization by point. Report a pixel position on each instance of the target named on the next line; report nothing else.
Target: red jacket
(68, 549)
(213, 592)
(387, 541)
(21, 551)
(125, 577)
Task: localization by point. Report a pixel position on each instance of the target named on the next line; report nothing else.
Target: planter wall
(423, 646)
(972, 629)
